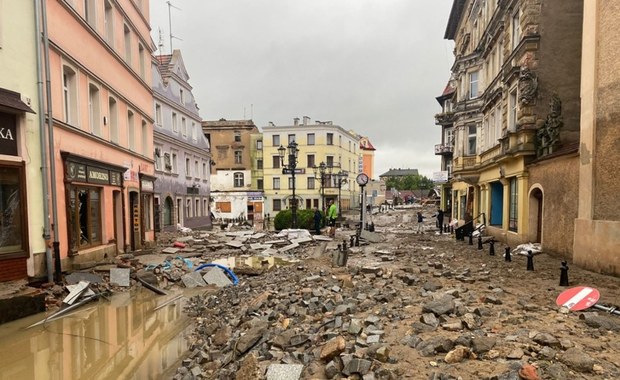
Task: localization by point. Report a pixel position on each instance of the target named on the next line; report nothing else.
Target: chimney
(306, 120)
(296, 121)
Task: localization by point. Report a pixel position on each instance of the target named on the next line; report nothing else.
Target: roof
(447, 93)
(223, 123)
(365, 144)
(399, 173)
(12, 101)
(455, 17)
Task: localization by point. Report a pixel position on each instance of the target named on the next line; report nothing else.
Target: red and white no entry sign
(578, 298)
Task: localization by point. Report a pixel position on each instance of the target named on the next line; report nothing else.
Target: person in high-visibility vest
(332, 215)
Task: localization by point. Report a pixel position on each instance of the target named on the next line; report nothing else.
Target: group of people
(332, 216)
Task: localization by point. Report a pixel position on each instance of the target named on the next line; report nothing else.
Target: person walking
(317, 220)
(440, 220)
(420, 229)
(332, 215)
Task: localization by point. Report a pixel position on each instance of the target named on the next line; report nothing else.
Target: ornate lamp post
(324, 171)
(341, 177)
(289, 168)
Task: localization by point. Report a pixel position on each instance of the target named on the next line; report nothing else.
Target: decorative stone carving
(548, 136)
(528, 86)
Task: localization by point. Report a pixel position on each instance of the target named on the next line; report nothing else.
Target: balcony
(444, 118)
(443, 149)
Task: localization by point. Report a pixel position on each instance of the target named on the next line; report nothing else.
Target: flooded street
(120, 338)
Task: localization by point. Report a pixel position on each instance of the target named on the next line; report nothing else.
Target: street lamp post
(289, 168)
(342, 179)
(324, 171)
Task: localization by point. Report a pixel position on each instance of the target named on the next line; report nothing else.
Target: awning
(11, 101)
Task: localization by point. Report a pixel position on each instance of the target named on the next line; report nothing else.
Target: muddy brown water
(120, 338)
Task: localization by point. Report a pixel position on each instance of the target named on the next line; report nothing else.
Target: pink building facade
(101, 102)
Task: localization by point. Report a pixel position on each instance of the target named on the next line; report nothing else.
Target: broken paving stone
(170, 250)
(120, 276)
(441, 306)
(193, 280)
(235, 244)
(284, 371)
(458, 354)
(429, 319)
(372, 237)
(332, 348)
(215, 276)
(577, 360)
(545, 339)
(250, 338)
(331, 370)
(357, 366)
(481, 344)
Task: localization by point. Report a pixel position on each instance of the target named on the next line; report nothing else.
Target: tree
(410, 182)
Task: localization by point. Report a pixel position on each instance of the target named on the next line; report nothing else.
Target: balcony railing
(444, 118)
(443, 149)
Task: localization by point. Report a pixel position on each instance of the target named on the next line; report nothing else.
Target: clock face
(362, 179)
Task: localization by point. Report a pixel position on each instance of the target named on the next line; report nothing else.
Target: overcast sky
(373, 66)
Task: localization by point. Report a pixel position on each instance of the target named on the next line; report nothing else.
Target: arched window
(168, 211)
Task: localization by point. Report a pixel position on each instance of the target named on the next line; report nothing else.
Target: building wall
(18, 67)
(558, 179)
(598, 224)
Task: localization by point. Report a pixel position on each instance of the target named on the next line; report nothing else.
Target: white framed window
(175, 126)
(204, 170)
(238, 156)
(90, 13)
(131, 131)
(259, 145)
(237, 136)
(108, 23)
(310, 138)
(291, 138)
(144, 135)
(330, 139)
(183, 126)
(194, 132)
(196, 170)
(182, 96)
(158, 117)
(127, 39)
(275, 140)
(473, 85)
(94, 109)
(69, 92)
(276, 183)
(113, 110)
(158, 157)
(239, 180)
(516, 29)
(512, 110)
(471, 140)
(141, 59)
(174, 162)
(188, 168)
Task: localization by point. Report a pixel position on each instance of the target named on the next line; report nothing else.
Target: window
(238, 155)
(175, 125)
(471, 140)
(310, 138)
(188, 169)
(260, 184)
(94, 110)
(329, 161)
(275, 140)
(449, 137)
(340, 141)
(237, 136)
(84, 217)
(131, 132)
(158, 115)
(512, 111)
(310, 159)
(259, 163)
(277, 205)
(127, 39)
(513, 217)
(473, 85)
(113, 109)
(182, 96)
(108, 23)
(238, 179)
(516, 30)
(276, 183)
(194, 132)
(188, 208)
(276, 162)
(183, 126)
(291, 138)
(174, 163)
(204, 170)
(330, 139)
(291, 183)
(144, 136)
(310, 183)
(141, 58)
(146, 212)
(223, 206)
(197, 208)
(90, 15)
(259, 145)
(196, 170)
(13, 238)
(69, 89)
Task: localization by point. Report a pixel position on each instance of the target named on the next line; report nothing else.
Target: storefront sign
(8, 135)
(76, 172)
(115, 178)
(146, 185)
(96, 175)
(92, 174)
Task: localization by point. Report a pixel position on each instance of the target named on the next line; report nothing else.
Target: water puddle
(123, 338)
(256, 262)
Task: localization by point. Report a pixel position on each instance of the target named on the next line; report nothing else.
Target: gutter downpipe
(50, 121)
(44, 172)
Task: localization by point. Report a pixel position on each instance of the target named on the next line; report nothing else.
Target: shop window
(84, 217)
(12, 233)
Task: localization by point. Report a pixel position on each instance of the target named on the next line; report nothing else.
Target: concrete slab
(170, 250)
(372, 237)
(276, 242)
(76, 277)
(259, 246)
(288, 247)
(120, 276)
(76, 291)
(303, 239)
(258, 235)
(321, 238)
(215, 276)
(270, 252)
(193, 280)
(284, 371)
(235, 244)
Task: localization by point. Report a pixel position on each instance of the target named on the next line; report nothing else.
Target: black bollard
(479, 242)
(491, 247)
(530, 260)
(507, 256)
(352, 242)
(357, 240)
(344, 245)
(339, 248)
(372, 227)
(471, 238)
(446, 229)
(564, 274)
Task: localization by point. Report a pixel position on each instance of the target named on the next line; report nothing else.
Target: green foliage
(410, 182)
(305, 219)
